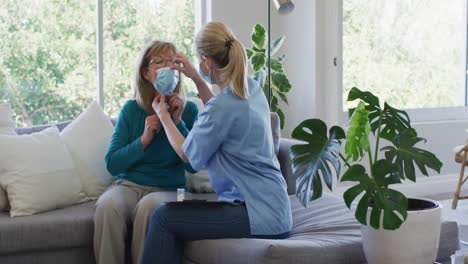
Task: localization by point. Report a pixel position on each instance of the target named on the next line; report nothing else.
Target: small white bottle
(180, 194)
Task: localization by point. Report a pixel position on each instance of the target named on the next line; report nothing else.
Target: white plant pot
(415, 242)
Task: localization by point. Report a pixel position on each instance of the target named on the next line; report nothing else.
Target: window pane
(408, 52)
(47, 59)
(128, 26)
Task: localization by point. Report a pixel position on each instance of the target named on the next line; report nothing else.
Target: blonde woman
(232, 139)
(147, 169)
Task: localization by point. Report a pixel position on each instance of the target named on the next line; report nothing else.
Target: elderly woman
(146, 168)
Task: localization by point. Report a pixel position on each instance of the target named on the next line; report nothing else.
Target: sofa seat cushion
(324, 232)
(58, 229)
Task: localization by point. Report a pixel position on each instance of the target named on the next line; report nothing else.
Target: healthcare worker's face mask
(166, 80)
(205, 77)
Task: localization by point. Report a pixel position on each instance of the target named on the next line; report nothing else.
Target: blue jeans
(172, 224)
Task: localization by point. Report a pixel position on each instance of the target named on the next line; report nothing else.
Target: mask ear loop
(209, 71)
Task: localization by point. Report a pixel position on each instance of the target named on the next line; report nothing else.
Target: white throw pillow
(7, 127)
(87, 138)
(38, 173)
(199, 182)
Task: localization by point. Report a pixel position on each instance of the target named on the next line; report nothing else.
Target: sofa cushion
(58, 229)
(325, 232)
(7, 127)
(87, 138)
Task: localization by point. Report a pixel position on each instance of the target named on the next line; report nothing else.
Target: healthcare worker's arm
(176, 139)
(183, 64)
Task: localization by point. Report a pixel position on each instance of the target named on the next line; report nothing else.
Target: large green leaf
(281, 117)
(280, 81)
(393, 204)
(386, 173)
(357, 138)
(276, 65)
(258, 61)
(283, 97)
(372, 102)
(354, 173)
(258, 36)
(274, 103)
(394, 121)
(313, 158)
(275, 108)
(405, 155)
(249, 52)
(391, 120)
(276, 45)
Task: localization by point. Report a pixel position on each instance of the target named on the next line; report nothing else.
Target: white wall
(300, 64)
(240, 16)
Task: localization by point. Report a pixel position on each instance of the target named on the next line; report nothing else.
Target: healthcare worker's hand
(160, 107)
(176, 107)
(183, 64)
(152, 126)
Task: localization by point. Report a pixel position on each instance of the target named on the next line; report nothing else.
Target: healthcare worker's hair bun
(217, 41)
(228, 42)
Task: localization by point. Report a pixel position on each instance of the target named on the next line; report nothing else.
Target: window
(48, 52)
(410, 53)
(128, 26)
(47, 59)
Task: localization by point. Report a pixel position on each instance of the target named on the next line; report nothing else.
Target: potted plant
(395, 229)
(258, 58)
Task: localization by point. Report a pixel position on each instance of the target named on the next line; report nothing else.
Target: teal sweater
(158, 165)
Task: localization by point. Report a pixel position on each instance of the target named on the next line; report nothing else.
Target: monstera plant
(258, 58)
(320, 157)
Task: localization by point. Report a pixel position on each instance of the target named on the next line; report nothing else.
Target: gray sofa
(325, 232)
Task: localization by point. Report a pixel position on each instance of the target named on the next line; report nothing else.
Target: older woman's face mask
(166, 80)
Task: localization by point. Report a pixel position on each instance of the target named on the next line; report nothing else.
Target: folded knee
(152, 201)
(109, 207)
(160, 215)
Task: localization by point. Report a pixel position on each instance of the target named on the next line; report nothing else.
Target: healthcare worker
(232, 138)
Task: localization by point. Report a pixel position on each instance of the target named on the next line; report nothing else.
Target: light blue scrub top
(232, 138)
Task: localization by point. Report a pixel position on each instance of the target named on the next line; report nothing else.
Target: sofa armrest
(285, 163)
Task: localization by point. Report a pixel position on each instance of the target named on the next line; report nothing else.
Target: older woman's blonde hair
(217, 41)
(144, 90)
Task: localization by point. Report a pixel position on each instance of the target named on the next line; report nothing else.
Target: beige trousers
(123, 204)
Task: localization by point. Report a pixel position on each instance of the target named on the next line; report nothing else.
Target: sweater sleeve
(189, 117)
(123, 153)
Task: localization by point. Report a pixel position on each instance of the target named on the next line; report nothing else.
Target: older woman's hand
(160, 107)
(176, 107)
